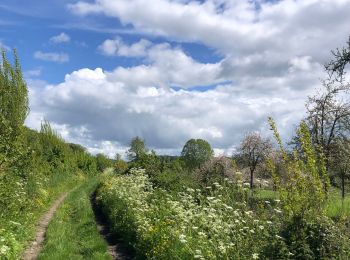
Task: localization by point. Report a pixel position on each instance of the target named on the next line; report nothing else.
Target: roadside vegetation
(35, 167)
(219, 216)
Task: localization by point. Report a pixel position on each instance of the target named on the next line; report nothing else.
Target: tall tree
(13, 107)
(137, 149)
(254, 150)
(341, 162)
(328, 111)
(196, 152)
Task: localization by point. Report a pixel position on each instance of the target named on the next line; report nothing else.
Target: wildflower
(182, 238)
(227, 207)
(4, 249)
(255, 256)
(261, 227)
(222, 248)
(278, 211)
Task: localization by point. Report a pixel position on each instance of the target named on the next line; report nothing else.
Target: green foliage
(175, 181)
(13, 99)
(302, 191)
(120, 166)
(148, 161)
(102, 162)
(214, 223)
(34, 167)
(196, 152)
(137, 149)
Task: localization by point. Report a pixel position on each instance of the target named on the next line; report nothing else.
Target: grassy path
(34, 249)
(73, 233)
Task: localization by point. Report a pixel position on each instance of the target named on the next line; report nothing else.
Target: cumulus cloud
(100, 109)
(52, 56)
(164, 66)
(235, 26)
(116, 47)
(61, 38)
(272, 55)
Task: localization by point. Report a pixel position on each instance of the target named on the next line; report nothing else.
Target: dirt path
(116, 248)
(34, 249)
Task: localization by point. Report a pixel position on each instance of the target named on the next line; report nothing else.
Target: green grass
(265, 194)
(73, 233)
(336, 207)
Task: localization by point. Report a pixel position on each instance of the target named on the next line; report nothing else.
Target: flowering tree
(254, 150)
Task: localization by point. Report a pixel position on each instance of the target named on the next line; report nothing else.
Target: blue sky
(104, 71)
(28, 26)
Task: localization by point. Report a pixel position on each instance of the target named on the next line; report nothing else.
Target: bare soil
(35, 247)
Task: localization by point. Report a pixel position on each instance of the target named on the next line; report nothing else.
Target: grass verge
(73, 233)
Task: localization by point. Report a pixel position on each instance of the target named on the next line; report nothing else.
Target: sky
(105, 71)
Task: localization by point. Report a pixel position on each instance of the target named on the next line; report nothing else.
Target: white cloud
(61, 38)
(52, 56)
(272, 52)
(116, 47)
(166, 66)
(236, 27)
(110, 112)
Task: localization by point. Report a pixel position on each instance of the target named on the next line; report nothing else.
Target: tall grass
(337, 207)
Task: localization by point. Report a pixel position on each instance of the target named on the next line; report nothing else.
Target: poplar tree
(13, 107)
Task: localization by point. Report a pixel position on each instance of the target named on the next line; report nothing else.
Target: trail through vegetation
(35, 247)
(73, 233)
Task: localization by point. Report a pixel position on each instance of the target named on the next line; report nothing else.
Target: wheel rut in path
(117, 249)
(35, 247)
